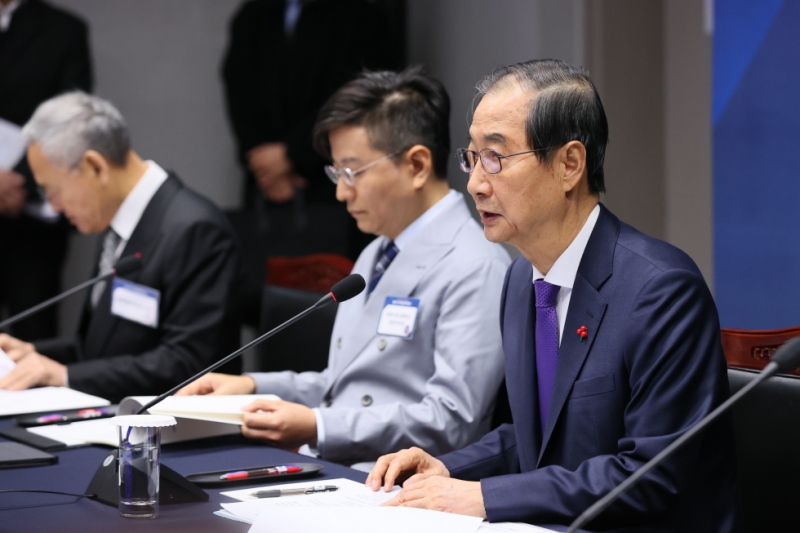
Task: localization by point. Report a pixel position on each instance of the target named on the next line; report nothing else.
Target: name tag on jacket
(134, 302)
(398, 317)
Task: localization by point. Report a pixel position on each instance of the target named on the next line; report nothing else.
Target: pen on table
(290, 492)
(260, 472)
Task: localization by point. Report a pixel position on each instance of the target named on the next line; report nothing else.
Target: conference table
(34, 513)
(51, 513)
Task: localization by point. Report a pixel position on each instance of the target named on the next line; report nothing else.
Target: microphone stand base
(173, 487)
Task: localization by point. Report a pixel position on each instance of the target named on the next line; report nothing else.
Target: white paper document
(225, 409)
(362, 520)
(46, 399)
(12, 144)
(511, 527)
(6, 364)
(100, 431)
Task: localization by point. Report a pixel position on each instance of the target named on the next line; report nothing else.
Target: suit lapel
(145, 239)
(401, 278)
(518, 316)
(586, 308)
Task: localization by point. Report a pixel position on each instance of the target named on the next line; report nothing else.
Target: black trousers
(32, 256)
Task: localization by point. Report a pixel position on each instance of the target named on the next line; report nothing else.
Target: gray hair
(66, 126)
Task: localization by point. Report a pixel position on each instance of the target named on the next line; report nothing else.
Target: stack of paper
(353, 508)
(198, 417)
(6, 364)
(46, 399)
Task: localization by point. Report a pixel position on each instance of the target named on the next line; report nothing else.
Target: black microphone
(786, 359)
(126, 265)
(349, 287)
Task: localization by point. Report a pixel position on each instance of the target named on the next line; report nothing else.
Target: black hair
(397, 109)
(566, 108)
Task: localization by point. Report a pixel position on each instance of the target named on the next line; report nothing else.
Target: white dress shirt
(565, 269)
(130, 211)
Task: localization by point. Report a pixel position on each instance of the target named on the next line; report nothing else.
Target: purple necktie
(546, 344)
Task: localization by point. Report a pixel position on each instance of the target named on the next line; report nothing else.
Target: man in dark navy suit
(611, 338)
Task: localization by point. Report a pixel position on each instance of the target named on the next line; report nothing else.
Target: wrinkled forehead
(501, 114)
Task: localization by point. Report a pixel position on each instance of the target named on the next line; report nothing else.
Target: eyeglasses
(349, 176)
(467, 159)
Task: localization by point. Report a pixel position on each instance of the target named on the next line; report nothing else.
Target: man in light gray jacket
(416, 359)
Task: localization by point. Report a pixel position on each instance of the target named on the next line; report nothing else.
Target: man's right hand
(412, 463)
(219, 384)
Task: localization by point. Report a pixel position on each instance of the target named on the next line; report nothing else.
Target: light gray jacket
(380, 393)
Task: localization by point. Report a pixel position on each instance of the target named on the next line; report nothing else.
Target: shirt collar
(565, 268)
(415, 227)
(6, 12)
(130, 212)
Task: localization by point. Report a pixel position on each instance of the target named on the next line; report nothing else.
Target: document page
(12, 144)
(6, 364)
(344, 484)
(225, 409)
(362, 520)
(46, 399)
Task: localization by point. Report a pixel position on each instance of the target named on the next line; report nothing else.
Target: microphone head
(788, 356)
(350, 286)
(128, 264)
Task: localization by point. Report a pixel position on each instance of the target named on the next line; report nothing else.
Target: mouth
(488, 217)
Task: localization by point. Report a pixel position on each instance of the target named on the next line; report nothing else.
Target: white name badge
(134, 302)
(398, 317)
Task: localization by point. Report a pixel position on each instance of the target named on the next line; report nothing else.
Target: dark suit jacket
(44, 52)
(275, 86)
(650, 368)
(189, 253)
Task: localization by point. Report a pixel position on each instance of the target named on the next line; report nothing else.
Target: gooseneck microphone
(349, 287)
(124, 266)
(786, 359)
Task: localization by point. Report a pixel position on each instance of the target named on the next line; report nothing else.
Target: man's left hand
(441, 493)
(35, 369)
(282, 424)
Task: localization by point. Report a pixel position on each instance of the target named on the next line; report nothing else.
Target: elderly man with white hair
(185, 292)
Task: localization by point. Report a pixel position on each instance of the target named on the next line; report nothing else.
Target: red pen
(261, 472)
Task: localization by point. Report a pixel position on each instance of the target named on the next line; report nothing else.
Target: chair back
(753, 349)
(304, 345)
(315, 273)
(767, 425)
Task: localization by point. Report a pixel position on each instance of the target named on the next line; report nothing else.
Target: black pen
(290, 492)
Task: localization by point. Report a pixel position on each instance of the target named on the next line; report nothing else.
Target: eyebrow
(498, 138)
(346, 160)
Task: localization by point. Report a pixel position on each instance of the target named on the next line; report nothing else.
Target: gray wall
(159, 62)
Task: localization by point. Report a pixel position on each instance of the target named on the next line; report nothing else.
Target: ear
(96, 166)
(420, 164)
(571, 161)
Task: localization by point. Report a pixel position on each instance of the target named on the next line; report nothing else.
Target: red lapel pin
(582, 333)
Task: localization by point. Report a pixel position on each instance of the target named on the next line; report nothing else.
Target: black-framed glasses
(490, 159)
(349, 176)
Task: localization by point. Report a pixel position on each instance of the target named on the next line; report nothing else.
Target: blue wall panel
(756, 175)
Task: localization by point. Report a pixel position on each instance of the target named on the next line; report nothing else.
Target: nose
(344, 192)
(478, 185)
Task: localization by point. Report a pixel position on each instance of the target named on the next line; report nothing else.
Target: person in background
(165, 321)
(44, 51)
(611, 338)
(284, 60)
(416, 358)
